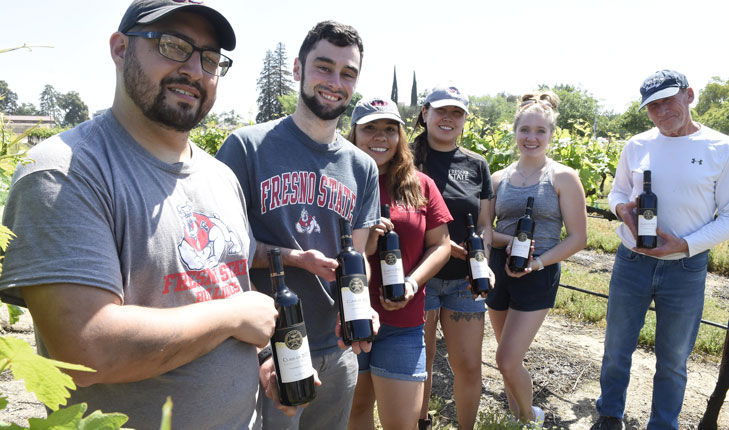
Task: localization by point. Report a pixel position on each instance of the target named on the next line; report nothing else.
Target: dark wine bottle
(478, 268)
(522, 243)
(647, 215)
(355, 312)
(290, 346)
(393, 276)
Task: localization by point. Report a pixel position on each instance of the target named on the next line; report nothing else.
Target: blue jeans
(397, 353)
(677, 288)
(452, 294)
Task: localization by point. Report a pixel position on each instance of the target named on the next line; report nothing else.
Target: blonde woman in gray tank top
(520, 301)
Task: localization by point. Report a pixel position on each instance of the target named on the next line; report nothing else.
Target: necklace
(524, 179)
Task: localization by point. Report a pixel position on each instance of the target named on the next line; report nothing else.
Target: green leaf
(63, 419)
(101, 421)
(166, 423)
(5, 237)
(14, 313)
(42, 375)
(3, 402)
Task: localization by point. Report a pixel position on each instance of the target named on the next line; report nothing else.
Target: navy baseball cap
(149, 11)
(373, 109)
(660, 85)
(447, 96)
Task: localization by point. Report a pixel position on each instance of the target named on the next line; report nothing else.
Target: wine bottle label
(294, 358)
(647, 223)
(479, 268)
(355, 298)
(391, 266)
(521, 245)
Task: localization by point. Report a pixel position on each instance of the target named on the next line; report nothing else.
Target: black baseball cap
(660, 85)
(149, 11)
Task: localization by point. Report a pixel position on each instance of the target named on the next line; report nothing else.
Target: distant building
(19, 124)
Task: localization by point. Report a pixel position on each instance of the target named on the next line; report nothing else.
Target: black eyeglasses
(180, 50)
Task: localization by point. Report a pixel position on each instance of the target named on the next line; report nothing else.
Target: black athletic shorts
(534, 291)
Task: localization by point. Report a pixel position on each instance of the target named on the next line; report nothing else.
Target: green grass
(585, 307)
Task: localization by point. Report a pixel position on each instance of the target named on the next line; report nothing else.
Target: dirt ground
(564, 362)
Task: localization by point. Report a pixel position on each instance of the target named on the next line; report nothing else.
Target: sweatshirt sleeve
(623, 182)
(716, 231)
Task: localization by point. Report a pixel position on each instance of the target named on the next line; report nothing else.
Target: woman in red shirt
(393, 372)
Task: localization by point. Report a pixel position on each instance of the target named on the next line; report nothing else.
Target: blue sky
(481, 46)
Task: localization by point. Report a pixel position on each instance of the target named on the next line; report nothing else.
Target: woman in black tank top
(520, 301)
(464, 180)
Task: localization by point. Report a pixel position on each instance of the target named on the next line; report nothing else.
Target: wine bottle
(522, 243)
(478, 268)
(290, 346)
(393, 276)
(647, 215)
(355, 312)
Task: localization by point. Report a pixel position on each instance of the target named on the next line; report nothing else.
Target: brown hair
(402, 181)
(544, 103)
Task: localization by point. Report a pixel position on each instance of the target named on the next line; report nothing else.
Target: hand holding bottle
(269, 382)
(360, 346)
(528, 268)
(393, 306)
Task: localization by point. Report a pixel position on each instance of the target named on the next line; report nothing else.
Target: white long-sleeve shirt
(690, 177)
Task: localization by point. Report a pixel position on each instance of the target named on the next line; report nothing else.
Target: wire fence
(582, 290)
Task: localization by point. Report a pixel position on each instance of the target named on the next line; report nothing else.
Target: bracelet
(264, 354)
(412, 282)
(539, 264)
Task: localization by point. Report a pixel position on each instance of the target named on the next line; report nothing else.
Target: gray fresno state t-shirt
(297, 190)
(95, 208)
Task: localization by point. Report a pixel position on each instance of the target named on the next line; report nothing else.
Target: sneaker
(608, 423)
(538, 417)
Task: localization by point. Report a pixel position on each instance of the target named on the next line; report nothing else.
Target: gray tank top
(511, 201)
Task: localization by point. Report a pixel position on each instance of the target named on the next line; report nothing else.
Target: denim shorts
(452, 294)
(532, 292)
(397, 353)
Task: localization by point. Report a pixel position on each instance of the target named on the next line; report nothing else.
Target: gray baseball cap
(660, 85)
(447, 96)
(149, 11)
(371, 109)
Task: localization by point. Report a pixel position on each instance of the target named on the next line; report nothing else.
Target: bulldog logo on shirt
(307, 224)
(205, 239)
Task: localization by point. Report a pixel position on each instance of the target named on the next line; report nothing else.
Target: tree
(26, 109)
(74, 109)
(273, 82)
(414, 92)
(393, 93)
(630, 122)
(494, 109)
(346, 116)
(289, 102)
(8, 99)
(578, 110)
(49, 99)
(712, 108)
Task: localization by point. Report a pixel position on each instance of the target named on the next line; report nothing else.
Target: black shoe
(425, 424)
(608, 423)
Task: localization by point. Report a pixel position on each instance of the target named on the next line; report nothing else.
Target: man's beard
(140, 89)
(318, 109)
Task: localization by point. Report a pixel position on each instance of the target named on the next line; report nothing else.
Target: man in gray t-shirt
(300, 178)
(133, 245)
